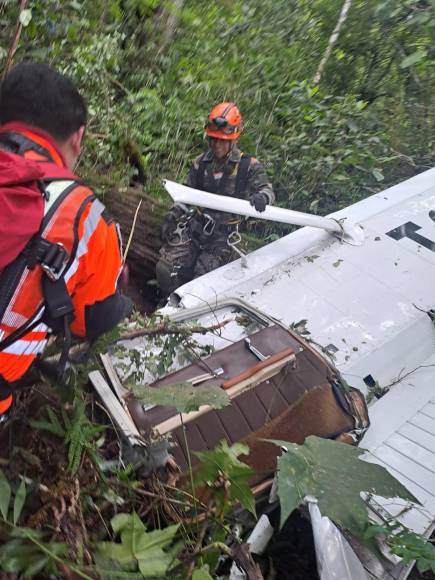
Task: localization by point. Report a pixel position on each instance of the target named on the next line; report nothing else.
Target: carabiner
(208, 227)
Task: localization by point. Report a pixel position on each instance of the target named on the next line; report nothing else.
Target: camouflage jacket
(214, 171)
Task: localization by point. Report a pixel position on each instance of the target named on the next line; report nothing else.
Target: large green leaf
(119, 552)
(223, 462)
(333, 473)
(5, 495)
(185, 397)
(201, 574)
(139, 548)
(20, 498)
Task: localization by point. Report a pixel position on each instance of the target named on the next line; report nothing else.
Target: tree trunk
(145, 244)
(171, 23)
(332, 40)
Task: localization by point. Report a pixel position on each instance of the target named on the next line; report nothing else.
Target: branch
(16, 40)
(401, 377)
(332, 40)
(165, 328)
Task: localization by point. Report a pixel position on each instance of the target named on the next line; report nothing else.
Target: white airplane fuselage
(368, 306)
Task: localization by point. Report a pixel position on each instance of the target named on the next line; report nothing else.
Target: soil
(146, 296)
(291, 553)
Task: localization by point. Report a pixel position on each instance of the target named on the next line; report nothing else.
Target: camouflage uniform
(203, 246)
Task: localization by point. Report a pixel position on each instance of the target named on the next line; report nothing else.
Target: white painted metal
(336, 559)
(187, 195)
(367, 304)
(117, 412)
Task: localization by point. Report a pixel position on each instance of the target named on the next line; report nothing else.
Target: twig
(198, 545)
(16, 40)
(157, 496)
(400, 378)
(130, 237)
(187, 494)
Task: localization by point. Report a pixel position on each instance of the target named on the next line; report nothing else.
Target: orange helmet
(224, 122)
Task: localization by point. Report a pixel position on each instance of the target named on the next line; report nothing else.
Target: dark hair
(38, 95)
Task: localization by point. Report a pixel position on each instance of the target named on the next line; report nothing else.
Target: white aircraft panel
(418, 435)
(429, 409)
(422, 456)
(424, 422)
(402, 439)
(419, 475)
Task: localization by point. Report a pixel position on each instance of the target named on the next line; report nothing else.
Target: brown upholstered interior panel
(234, 359)
(296, 402)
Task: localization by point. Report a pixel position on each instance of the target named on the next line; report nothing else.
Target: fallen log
(145, 244)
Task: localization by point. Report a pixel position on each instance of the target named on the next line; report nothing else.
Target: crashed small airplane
(345, 300)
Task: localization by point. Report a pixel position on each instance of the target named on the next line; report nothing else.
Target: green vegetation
(151, 70)
(333, 473)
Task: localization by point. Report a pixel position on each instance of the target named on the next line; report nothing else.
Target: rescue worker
(60, 252)
(198, 241)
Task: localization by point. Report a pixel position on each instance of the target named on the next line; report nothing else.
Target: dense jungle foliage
(71, 504)
(152, 69)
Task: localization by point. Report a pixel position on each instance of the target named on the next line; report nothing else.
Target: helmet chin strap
(229, 150)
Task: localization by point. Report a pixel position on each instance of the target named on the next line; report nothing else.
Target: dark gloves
(168, 226)
(259, 201)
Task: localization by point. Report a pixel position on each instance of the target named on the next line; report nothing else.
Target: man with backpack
(196, 243)
(60, 252)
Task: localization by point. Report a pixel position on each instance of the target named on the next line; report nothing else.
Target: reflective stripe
(90, 225)
(41, 327)
(55, 190)
(26, 347)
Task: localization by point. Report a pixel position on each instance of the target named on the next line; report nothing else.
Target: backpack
(30, 194)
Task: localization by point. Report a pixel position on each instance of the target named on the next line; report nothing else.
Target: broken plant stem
(189, 460)
(157, 496)
(187, 494)
(216, 546)
(198, 545)
(401, 377)
(164, 328)
(130, 237)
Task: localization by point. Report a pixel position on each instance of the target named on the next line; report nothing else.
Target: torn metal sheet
(335, 558)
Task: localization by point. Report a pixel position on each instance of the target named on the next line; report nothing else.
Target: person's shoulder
(91, 203)
(254, 162)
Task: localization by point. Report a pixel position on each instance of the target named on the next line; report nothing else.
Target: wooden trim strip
(271, 360)
(263, 373)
